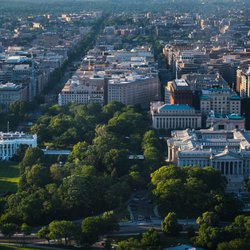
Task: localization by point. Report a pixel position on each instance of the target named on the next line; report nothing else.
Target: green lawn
(9, 177)
(8, 247)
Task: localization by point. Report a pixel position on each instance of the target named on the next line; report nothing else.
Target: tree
(131, 244)
(38, 175)
(32, 156)
(25, 229)
(111, 108)
(208, 219)
(151, 240)
(182, 189)
(98, 225)
(43, 233)
(234, 245)
(118, 159)
(208, 237)
(59, 230)
(9, 229)
(78, 151)
(170, 224)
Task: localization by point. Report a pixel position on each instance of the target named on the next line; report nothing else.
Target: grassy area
(9, 177)
(8, 247)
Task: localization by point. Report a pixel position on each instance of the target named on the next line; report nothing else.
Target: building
(199, 82)
(222, 101)
(179, 92)
(81, 92)
(227, 122)
(243, 82)
(174, 116)
(227, 151)
(134, 89)
(10, 142)
(10, 93)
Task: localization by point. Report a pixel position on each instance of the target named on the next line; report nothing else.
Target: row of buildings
(26, 68)
(107, 74)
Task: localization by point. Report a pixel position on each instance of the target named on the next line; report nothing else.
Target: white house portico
(10, 142)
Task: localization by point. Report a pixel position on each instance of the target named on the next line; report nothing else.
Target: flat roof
(176, 107)
(181, 83)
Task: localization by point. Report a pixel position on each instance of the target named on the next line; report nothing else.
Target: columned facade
(225, 151)
(10, 142)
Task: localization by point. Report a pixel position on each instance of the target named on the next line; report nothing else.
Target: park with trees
(101, 173)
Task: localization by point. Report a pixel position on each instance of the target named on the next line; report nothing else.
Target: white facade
(222, 101)
(225, 150)
(81, 92)
(10, 142)
(174, 116)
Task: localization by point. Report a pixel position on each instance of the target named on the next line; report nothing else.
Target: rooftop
(180, 82)
(176, 107)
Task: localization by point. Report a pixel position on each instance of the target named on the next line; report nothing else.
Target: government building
(174, 116)
(225, 150)
(10, 142)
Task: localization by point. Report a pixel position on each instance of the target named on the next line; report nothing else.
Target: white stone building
(225, 150)
(10, 142)
(82, 91)
(174, 116)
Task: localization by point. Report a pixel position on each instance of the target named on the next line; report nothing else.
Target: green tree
(170, 224)
(59, 230)
(9, 229)
(38, 175)
(182, 189)
(131, 244)
(234, 245)
(32, 156)
(25, 229)
(43, 233)
(208, 237)
(151, 240)
(208, 219)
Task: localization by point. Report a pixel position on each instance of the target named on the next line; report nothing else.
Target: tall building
(243, 82)
(179, 92)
